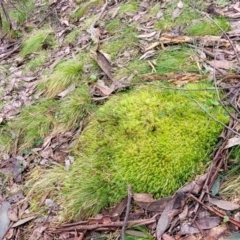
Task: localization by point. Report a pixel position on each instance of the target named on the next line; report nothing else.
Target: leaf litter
(161, 217)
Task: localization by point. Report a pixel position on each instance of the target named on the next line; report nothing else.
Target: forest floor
(62, 60)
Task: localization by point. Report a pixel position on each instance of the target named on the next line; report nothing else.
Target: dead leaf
(143, 197)
(222, 64)
(16, 197)
(103, 63)
(154, 206)
(12, 215)
(203, 223)
(118, 209)
(164, 220)
(22, 221)
(195, 186)
(234, 141)
(104, 88)
(67, 91)
(147, 54)
(176, 13)
(37, 232)
(226, 205)
(217, 232)
(147, 35)
(167, 237)
(46, 153)
(4, 220)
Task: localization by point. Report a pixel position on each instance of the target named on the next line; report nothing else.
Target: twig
(127, 213)
(96, 227)
(6, 14)
(91, 29)
(215, 211)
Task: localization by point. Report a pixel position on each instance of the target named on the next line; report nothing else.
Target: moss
(83, 8)
(135, 66)
(130, 7)
(36, 41)
(126, 39)
(192, 27)
(207, 27)
(113, 25)
(72, 36)
(154, 140)
(175, 59)
(167, 23)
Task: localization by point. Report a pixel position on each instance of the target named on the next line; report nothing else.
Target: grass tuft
(72, 109)
(207, 27)
(65, 74)
(36, 41)
(34, 124)
(36, 62)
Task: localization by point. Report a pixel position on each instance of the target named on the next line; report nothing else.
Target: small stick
(125, 222)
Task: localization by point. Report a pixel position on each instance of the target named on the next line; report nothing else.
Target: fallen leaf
(4, 219)
(222, 64)
(118, 209)
(143, 197)
(176, 13)
(154, 206)
(203, 223)
(167, 237)
(217, 232)
(103, 63)
(22, 221)
(164, 220)
(216, 185)
(146, 35)
(12, 215)
(37, 232)
(226, 205)
(234, 141)
(104, 88)
(148, 54)
(168, 214)
(67, 91)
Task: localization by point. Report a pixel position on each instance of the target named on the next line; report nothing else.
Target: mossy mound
(153, 139)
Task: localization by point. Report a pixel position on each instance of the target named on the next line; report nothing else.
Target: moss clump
(175, 59)
(129, 7)
(83, 9)
(207, 27)
(154, 140)
(37, 40)
(126, 39)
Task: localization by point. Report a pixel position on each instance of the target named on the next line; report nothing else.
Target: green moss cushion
(153, 139)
